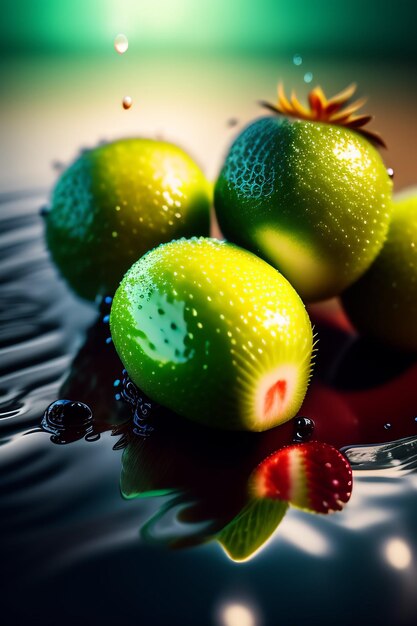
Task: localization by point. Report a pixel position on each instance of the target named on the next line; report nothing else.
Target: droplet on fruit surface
(127, 102)
(121, 43)
(297, 59)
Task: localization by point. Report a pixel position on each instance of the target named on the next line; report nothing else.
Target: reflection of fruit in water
(383, 303)
(215, 334)
(311, 476)
(311, 198)
(116, 202)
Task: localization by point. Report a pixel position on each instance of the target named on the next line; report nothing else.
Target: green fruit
(214, 333)
(116, 202)
(313, 199)
(383, 303)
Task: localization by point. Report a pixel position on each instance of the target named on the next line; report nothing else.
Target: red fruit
(311, 476)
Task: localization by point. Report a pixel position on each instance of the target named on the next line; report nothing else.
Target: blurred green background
(191, 67)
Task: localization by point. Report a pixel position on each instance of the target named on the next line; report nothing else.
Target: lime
(116, 202)
(383, 302)
(215, 334)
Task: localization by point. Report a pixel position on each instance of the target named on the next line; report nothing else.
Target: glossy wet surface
(73, 550)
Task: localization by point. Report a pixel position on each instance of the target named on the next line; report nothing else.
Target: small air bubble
(308, 77)
(297, 59)
(121, 43)
(127, 102)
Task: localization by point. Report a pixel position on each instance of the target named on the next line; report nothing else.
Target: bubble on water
(297, 59)
(67, 421)
(127, 102)
(308, 77)
(390, 172)
(121, 43)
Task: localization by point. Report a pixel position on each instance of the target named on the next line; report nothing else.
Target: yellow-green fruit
(383, 303)
(214, 333)
(311, 198)
(116, 202)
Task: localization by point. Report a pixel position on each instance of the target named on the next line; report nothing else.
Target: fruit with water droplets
(383, 302)
(215, 334)
(310, 196)
(116, 202)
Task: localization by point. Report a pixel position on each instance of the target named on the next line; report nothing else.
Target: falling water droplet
(121, 43)
(390, 172)
(127, 102)
(297, 59)
(308, 77)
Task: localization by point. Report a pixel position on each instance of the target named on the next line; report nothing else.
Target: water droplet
(390, 172)
(67, 421)
(58, 166)
(127, 102)
(121, 43)
(387, 426)
(297, 59)
(308, 77)
(303, 428)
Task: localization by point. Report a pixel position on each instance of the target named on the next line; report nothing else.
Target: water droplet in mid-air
(121, 43)
(308, 77)
(127, 102)
(297, 59)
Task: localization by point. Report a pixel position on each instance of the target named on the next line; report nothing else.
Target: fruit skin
(214, 333)
(312, 199)
(383, 302)
(116, 202)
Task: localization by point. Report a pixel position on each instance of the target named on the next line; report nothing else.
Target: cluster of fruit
(211, 329)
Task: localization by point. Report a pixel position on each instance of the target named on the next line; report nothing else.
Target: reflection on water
(70, 539)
